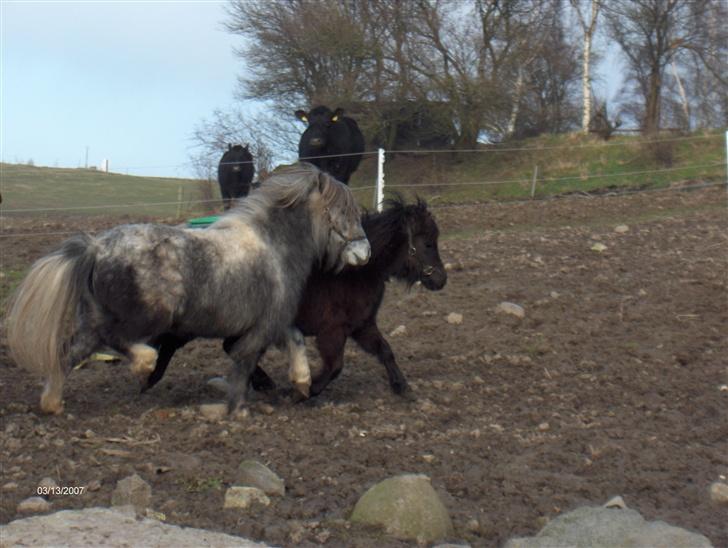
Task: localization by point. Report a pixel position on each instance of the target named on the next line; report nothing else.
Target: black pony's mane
(391, 230)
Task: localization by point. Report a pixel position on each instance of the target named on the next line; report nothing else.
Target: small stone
(473, 525)
(323, 536)
(399, 330)
(621, 229)
(719, 492)
(151, 514)
(132, 490)
(243, 497)
(93, 485)
(33, 505)
(214, 411)
(598, 247)
(10, 486)
(252, 473)
(265, 408)
(511, 308)
(616, 502)
(13, 444)
(554, 294)
(219, 383)
(454, 318)
(544, 426)
(429, 459)
(48, 484)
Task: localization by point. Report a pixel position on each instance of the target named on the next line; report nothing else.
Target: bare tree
(212, 137)
(302, 51)
(651, 34)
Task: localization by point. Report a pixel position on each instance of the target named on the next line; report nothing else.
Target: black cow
(235, 173)
(329, 136)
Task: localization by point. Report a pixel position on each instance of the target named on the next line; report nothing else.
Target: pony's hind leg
(166, 345)
(331, 349)
(51, 400)
(244, 363)
(143, 359)
(299, 372)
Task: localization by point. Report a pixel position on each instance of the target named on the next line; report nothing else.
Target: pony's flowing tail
(41, 320)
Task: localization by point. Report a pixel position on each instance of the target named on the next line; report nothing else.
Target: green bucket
(202, 222)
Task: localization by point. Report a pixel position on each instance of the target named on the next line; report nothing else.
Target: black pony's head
(415, 229)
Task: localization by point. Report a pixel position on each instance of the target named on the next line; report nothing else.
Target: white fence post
(379, 198)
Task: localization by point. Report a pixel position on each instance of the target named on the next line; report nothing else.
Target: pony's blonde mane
(287, 187)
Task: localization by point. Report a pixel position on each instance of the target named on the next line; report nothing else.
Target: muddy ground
(610, 385)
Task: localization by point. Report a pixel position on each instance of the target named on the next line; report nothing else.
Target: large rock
(132, 490)
(106, 527)
(407, 507)
(254, 474)
(609, 528)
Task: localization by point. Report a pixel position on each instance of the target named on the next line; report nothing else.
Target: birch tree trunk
(515, 109)
(683, 95)
(588, 30)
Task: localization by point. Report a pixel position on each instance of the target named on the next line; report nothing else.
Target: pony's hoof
(240, 414)
(263, 385)
(400, 388)
(297, 397)
(303, 389)
(54, 407)
(407, 395)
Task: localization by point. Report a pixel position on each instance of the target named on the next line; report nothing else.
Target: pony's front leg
(372, 341)
(299, 371)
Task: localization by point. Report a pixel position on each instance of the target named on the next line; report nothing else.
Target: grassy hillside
(566, 163)
(88, 192)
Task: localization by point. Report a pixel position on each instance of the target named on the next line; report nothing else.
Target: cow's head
(319, 120)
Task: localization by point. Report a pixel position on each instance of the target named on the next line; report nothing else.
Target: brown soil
(609, 386)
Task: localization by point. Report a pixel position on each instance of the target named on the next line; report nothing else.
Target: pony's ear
(301, 115)
(338, 113)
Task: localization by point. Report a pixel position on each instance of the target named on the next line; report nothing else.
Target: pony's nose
(316, 142)
(357, 252)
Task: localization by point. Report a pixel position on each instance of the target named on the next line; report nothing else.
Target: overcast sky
(129, 80)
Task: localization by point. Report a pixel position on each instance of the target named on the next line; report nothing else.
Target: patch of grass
(565, 163)
(9, 280)
(199, 485)
(88, 192)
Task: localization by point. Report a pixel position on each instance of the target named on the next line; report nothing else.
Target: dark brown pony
(403, 241)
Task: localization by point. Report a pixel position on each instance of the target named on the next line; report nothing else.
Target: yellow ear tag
(304, 119)
(335, 119)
